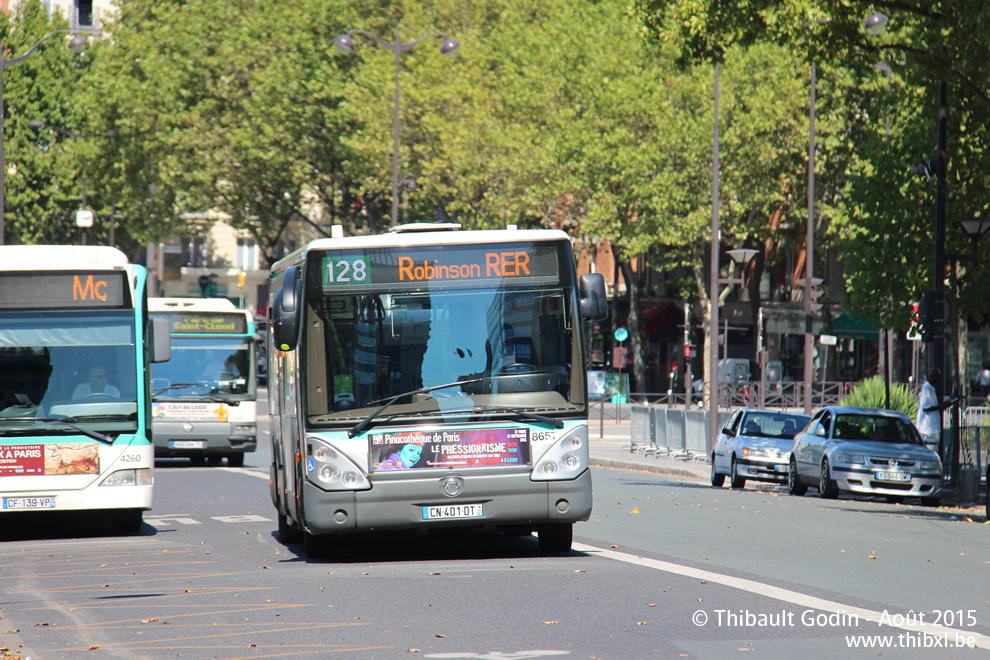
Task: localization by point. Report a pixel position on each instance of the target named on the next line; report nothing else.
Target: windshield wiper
(521, 412)
(364, 423)
(156, 393)
(68, 421)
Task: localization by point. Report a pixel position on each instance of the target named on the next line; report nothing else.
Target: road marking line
(778, 593)
(250, 473)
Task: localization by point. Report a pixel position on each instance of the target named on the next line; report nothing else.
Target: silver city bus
(427, 379)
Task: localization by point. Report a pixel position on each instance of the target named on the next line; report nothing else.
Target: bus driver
(97, 385)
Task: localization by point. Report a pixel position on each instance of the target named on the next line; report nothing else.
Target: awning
(663, 318)
(845, 325)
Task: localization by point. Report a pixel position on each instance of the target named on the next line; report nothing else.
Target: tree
(43, 179)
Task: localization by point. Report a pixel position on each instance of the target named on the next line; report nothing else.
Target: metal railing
(751, 394)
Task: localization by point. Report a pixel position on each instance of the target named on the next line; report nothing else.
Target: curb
(657, 469)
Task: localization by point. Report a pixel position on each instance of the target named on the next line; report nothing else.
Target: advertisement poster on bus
(63, 458)
(460, 448)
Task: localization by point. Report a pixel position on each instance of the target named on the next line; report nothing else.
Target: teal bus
(75, 407)
(430, 379)
(205, 397)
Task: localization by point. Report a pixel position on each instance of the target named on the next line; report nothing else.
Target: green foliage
(871, 393)
(44, 170)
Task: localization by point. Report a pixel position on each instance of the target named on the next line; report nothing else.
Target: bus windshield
(510, 348)
(68, 364)
(205, 365)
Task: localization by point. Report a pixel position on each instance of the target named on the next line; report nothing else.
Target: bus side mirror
(161, 341)
(287, 310)
(594, 302)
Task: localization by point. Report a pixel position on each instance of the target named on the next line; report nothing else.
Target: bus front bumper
(508, 502)
(202, 438)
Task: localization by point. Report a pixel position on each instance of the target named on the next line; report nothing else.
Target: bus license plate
(188, 444)
(893, 476)
(453, 511)
(29, 502)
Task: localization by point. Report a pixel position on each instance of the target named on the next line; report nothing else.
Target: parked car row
(839, 449)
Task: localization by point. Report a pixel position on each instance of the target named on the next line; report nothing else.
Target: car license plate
(188, 444)
(29, 502)
(893, 476)
(453, 511)
(781, 468)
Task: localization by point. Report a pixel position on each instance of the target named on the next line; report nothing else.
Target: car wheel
(736, 480)
(235, 460)
(936, 501)
(794, 485)
(717, 478)
(827, 487)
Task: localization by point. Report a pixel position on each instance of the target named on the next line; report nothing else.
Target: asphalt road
(666, 568)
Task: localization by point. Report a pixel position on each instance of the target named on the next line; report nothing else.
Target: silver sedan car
(755, 445)
(866, 451)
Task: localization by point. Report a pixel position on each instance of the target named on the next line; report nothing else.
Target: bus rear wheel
(556, 537)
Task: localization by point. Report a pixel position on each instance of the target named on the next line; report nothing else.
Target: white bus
(430, 379)
(75, 412)
(205, 397)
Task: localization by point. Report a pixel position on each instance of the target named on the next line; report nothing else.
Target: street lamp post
(344, 44)
(809, 257)
(78, 45)
(713, 294)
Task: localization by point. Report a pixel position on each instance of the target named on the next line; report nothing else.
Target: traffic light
(812, 292)
(932, 315)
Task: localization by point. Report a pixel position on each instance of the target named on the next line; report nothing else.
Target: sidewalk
(610, 444)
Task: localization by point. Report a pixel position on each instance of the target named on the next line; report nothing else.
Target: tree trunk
(637, 335)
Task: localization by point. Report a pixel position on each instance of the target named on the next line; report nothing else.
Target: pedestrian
(929, 422)
(981, 385)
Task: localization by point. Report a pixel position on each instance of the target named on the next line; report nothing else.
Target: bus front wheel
(128, 521)
(317, 546)
(556, 537)
(287, 532)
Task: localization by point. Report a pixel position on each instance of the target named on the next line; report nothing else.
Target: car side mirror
(820, 431)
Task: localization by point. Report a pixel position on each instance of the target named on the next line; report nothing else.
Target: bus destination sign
(193, 323)
(412, 267)
(64, 290)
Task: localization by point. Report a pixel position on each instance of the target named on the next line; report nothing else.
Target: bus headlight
(138, 477)
(565, 459)
(330, 469)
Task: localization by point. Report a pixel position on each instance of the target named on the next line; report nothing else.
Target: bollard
(969, 485)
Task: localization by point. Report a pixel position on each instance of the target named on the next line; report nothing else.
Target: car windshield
(776, 425)
(876, 428)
